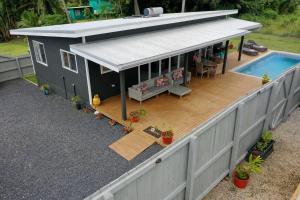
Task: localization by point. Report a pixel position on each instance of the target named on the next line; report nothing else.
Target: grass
(273, 42)
(14, 47)
(31, 78)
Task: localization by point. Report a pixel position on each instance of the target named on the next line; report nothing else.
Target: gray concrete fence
(192, 166)
(12, 68)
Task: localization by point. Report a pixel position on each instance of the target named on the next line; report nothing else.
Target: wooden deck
(208, 97)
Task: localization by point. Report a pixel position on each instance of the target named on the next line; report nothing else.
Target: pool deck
(182, 115)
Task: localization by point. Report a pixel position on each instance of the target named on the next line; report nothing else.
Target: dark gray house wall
(54, 74)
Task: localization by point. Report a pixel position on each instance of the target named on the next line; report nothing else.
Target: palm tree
(183, 6)
(64, 7)
(136, 7)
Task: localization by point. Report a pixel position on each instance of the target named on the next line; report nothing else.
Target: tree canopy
(27, 13)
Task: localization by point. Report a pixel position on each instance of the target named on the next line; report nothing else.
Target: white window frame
(34, 43)
(63, 61)
(104, 69)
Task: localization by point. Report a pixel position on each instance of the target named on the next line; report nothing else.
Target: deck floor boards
(208, 97)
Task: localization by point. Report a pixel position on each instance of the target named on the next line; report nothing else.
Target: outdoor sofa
(156, 86)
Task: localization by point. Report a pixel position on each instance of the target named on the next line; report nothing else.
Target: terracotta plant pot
(167, 140)
(240, 183)
(134, 119)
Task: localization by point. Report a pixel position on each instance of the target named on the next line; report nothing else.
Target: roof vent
(153, 12)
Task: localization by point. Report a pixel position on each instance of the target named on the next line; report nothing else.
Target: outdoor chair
(200, 69)
(249, 52)
(257, 47)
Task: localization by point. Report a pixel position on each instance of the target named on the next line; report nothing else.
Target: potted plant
(167, 136)
(76, 101)
(264, 146)
(243, 170)
(135, 115)
(45, 88)
(265, 79)
(231, 46)
(128, 129)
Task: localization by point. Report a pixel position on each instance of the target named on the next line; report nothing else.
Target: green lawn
(15, 47)
(31, 77)
(273, 42)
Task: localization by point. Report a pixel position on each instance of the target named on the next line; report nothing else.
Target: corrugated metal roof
(114, 25)
(127, 52)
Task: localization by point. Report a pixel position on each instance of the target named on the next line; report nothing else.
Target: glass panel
(165, 66)
(154, 69)
(181, 60)
(174, 61)
(42, 52)
(36, 51)
(144, 72)
(65, 60)
(72, 62)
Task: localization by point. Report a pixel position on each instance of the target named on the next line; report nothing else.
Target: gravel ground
(49, 150)
(281, 171)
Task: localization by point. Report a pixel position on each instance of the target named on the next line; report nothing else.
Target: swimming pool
(273, 64)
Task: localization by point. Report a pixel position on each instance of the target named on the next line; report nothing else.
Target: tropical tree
(136, 7)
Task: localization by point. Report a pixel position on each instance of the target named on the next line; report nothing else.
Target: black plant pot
(263, 154)
(78, 106)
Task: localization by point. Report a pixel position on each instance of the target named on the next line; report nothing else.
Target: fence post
(19, 67)
(291, 94)
(191, 168)
(236, 137)
(274, 92)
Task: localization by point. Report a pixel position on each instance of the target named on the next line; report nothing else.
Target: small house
(78, 13)
(121, 56)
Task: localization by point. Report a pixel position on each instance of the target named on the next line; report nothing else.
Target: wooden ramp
(132, 144)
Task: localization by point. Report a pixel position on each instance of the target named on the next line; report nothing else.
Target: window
(154, 69)
(77, 12)
(68, 60)
(144, 72)
(104, 70)
(165, 66)
(174, 63)
(39, 52)
(181, 60)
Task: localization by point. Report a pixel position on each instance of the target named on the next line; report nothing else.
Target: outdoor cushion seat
(249, 52)
(152, 90)
(253, 45)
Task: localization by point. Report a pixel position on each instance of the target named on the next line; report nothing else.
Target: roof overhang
(83, 29)
(127, 52)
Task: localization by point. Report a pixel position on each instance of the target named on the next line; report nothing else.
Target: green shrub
(270, 14)
(54, 19)
(29, 18)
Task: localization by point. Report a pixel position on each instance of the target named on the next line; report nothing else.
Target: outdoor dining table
(208, 63)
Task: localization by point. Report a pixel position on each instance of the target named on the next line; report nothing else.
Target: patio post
(241, 47)
(225, 57)
(185, 67)
(123, 94)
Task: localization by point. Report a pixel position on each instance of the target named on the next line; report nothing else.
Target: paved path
(49, 150)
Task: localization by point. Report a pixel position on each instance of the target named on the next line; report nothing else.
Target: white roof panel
(127, 52)
(113, 25)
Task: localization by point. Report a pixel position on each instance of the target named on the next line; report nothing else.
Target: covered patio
(208, 96)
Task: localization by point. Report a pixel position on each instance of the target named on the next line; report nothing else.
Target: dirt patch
(281, 171)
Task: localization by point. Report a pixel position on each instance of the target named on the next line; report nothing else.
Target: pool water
(273, 64)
